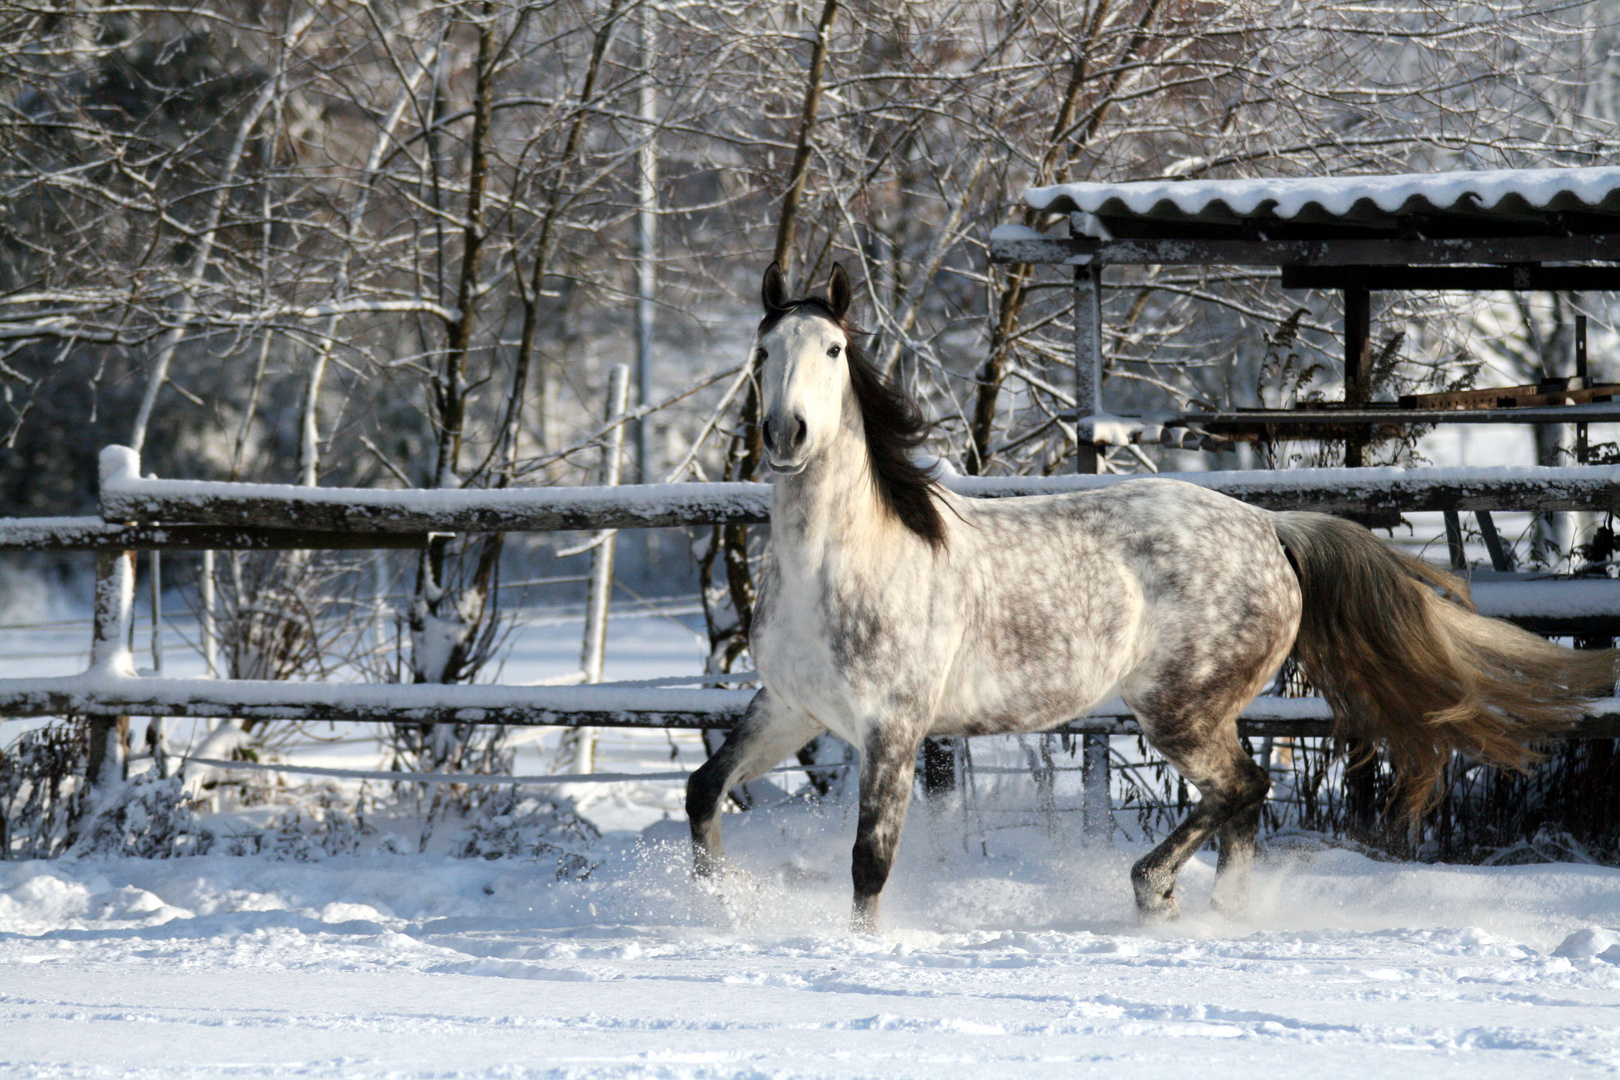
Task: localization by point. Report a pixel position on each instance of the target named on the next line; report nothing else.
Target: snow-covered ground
(1023, 961)
(1009, 949)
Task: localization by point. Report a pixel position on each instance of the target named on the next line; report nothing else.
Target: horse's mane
(894, 427)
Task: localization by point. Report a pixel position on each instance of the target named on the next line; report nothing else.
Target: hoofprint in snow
(1020, 956)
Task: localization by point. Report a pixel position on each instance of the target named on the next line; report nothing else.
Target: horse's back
(1089, 594)
(1171, 535)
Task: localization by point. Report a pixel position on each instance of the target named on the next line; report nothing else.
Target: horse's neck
(831, 512)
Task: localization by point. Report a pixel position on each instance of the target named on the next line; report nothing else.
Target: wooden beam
(1192, 252)
(1455, 278)
(1454, 541)
(368, 510)
(94, 534)
(1538, 488)
(364, 510)
(404, 703)
(1603, 726)
(1501, 556)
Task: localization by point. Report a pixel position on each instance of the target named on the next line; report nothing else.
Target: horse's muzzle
(786, 436)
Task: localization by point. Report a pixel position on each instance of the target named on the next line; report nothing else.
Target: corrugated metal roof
(1515, 199)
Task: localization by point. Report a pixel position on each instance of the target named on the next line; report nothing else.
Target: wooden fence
(152, 514)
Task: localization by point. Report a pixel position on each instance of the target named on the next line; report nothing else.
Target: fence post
(210, 627)
(110, 655)
(157, 727)
(601, 583)
(939, 767)
(1096, 801)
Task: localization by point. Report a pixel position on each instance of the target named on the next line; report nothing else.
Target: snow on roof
(1331, 199)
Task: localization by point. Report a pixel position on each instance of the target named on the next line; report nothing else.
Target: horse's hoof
(738, 892)
(707, 865)
(725, 878)
(1165, 909)
(1234, 907)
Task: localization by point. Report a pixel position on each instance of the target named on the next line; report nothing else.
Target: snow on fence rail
(126, 496)
(597, 705)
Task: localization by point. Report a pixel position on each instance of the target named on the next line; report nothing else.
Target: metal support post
(1097, 801)
(1088, 359)
(1583, 449)
(1357, 365)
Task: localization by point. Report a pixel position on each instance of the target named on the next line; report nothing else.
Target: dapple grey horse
(890, 609)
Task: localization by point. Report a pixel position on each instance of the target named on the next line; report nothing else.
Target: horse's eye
(761, 356)
(833, 351)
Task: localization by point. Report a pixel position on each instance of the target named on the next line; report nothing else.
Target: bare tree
(397, 244)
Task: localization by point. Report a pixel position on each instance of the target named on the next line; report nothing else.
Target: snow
(1340, 196)
(1019, 960)
(1009, 948)
(1106, 429)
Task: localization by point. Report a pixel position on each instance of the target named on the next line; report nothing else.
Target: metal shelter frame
(1533, 229)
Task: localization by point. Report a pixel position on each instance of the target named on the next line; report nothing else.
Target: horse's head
(802, 349)
(811, 370)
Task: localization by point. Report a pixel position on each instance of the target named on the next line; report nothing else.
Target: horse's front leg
(767, 733)
(888, 764)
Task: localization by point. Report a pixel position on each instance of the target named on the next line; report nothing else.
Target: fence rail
(598, 705)
(97, 534)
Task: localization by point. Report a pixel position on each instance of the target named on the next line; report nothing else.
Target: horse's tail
(1396, 648)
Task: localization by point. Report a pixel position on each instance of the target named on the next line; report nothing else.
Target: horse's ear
(773, 291)
(838, 291)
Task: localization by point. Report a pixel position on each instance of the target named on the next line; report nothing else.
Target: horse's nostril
(786, 434)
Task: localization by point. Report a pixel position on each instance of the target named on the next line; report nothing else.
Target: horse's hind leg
(1232, 788)
(1236, 860)
(765, 735)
